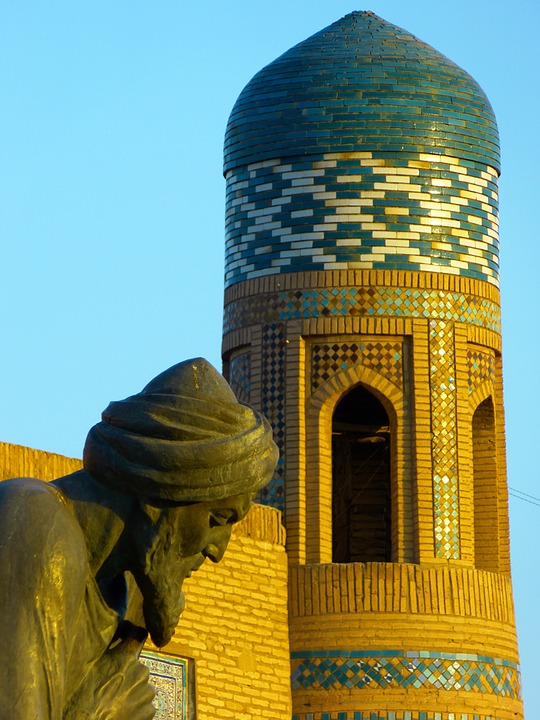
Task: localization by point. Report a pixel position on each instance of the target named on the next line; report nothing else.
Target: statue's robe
(54, 621)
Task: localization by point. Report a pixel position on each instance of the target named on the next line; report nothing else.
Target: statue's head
(193, 457)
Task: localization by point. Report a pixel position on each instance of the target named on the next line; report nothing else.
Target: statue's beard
(160, 579)
(161, 612)
(160, 584)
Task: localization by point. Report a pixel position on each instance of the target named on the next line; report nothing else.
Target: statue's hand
(126, 695)
(116, 688)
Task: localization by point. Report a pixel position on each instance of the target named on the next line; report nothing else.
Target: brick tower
(362, 317)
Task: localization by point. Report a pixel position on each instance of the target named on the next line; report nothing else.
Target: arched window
(486, 515)
(360, 479)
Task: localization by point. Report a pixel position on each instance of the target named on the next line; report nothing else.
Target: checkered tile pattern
(481, 366)
(240, 375)
(389, 669)
(362, 302)
(273, 407)
(329, 358)
(444, 443)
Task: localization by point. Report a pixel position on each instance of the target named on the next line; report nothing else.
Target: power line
(520, 495)
(524, 493)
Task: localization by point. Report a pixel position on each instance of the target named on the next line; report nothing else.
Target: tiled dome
(361, 84)
(362, 148)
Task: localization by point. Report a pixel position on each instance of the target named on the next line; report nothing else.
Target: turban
(184, 438)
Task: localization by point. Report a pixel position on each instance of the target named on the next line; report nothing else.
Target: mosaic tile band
(361, 210)
(168, 676)
(392, 715)
(444, 439)
(362, 302)
(386, 669)
(327, 359)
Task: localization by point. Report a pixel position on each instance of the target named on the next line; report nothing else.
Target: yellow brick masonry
(235, 624)
(403, 588)
(389, 606)
(20, 461)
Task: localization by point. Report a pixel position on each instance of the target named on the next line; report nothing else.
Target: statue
(93, 561)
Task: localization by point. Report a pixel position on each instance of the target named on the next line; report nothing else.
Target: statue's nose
(218, 544)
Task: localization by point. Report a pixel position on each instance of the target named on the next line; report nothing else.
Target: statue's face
(181, 539)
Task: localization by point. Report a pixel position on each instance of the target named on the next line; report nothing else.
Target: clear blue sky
(111, 204)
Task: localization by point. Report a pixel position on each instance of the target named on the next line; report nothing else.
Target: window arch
(486, 511)
(361, 479)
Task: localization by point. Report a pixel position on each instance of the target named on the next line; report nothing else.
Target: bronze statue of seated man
(166, 475)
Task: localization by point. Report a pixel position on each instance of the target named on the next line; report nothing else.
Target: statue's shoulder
(34, 511)
(33, 492)
(23, 486)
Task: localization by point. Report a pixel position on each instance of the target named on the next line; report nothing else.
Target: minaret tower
(362, 317)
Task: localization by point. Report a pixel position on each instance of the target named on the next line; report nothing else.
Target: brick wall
(20, 461)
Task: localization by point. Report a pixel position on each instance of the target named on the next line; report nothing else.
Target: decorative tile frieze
(387, 669)
(362, 302)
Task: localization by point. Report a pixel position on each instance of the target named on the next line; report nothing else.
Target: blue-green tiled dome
(361, 84)
(361, 148)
